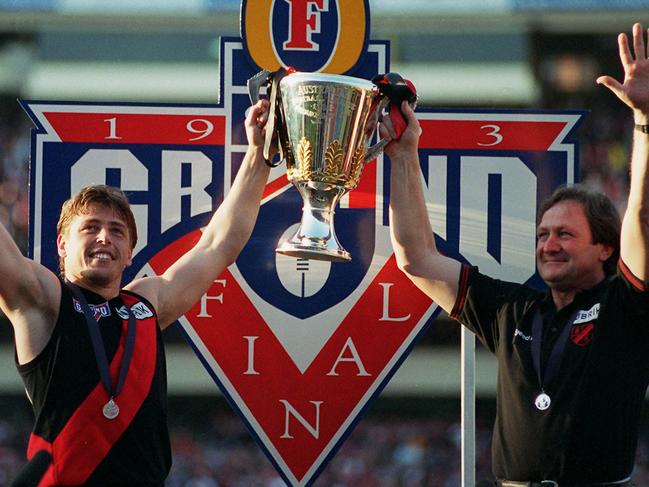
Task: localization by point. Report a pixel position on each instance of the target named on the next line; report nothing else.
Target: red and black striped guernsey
(67, 395)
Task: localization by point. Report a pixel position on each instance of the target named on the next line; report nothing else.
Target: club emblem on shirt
(98, 310)
(582, 335)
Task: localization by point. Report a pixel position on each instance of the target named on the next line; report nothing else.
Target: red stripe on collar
(636, 282)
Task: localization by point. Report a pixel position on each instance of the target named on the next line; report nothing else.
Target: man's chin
(98, 277)
(552, 279)
(559, 283)
(552, 270)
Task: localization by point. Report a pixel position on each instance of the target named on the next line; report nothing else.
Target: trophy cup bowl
(325, 123)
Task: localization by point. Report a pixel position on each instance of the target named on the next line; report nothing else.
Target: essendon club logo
(300, 347)
(582, 335)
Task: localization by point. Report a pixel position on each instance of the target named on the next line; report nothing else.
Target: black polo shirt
(589, 432)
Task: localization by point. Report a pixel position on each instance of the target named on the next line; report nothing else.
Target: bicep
(31, 287)
(179, 287)
(32, 306)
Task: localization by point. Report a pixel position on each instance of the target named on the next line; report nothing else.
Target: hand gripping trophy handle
(323, 123)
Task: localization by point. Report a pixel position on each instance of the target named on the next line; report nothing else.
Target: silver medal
(111, 409)
(542, 401)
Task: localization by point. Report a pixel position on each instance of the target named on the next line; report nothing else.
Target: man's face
(96, 247)
(566, 258)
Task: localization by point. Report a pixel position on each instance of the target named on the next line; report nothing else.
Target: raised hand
(409, 140)
(634, 90)
(255, 122)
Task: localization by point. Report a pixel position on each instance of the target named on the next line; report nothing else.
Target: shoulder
(146, 289)
(625, 293)
(500, 289)
(481, 292)
(630, 280)
(141, 307)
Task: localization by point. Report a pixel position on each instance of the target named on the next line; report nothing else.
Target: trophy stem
(316, 238)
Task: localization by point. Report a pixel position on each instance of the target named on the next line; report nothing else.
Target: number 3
(495, 133)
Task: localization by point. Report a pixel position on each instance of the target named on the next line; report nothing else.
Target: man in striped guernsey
(90, 351)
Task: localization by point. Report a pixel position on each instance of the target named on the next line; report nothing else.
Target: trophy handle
(255, 83)
(395, 90)
(275, 127)
(375, 151)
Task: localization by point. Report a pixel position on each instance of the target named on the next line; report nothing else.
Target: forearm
(411, 231)
(412, 235)
(183, 283)
(12, 263)
(635, 226)
(8, 247)
(222, 240)
(233, 222)
(639, 189)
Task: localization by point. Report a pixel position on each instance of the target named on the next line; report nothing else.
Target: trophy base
(313, 252)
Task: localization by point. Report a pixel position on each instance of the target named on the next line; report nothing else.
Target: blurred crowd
(212, 448)
(605, 145)
(380, 452)
(385, 451)
(216, 450)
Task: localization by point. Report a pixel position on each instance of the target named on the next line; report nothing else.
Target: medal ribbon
(98, 344)
(556, 355)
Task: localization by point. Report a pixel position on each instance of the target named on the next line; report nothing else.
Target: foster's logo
(284, 31)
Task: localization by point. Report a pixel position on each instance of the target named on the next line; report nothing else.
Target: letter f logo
(304, 20)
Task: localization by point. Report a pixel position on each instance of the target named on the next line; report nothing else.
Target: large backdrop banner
(301, 347)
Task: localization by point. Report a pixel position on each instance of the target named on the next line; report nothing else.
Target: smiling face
(95, 248)
(566, 257)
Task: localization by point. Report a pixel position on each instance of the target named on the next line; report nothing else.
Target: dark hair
(99, 194)
(603, 218)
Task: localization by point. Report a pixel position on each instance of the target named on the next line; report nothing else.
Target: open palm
(634, 91)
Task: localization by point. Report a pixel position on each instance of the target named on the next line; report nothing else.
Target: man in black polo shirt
(573, 361)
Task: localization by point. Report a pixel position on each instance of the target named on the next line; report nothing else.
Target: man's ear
(60, 246)
(605, 252)
(130, 258)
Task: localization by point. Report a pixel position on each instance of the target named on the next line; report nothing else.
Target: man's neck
(563, 298)
(107, 292)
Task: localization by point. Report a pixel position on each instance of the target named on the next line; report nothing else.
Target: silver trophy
(324, 125)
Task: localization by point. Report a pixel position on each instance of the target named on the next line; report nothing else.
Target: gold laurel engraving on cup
(304, 156)
(333, 162)
(356, 169)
